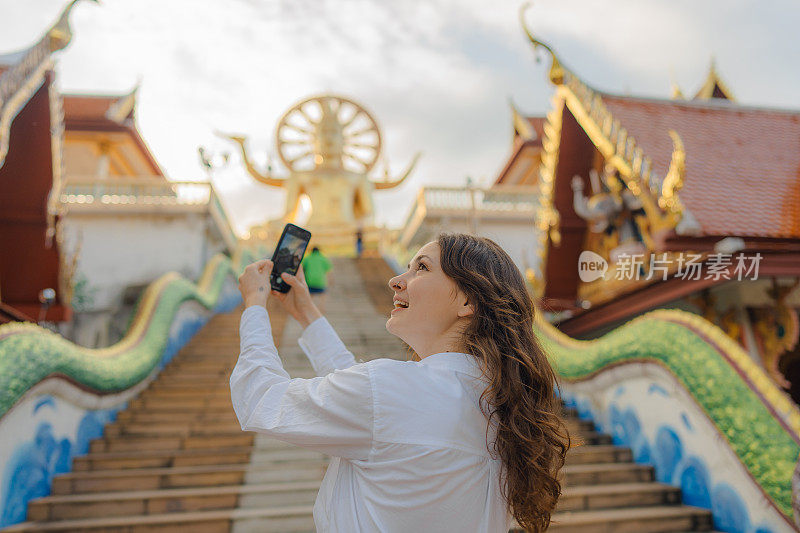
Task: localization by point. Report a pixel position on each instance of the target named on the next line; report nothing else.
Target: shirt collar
(462, 362)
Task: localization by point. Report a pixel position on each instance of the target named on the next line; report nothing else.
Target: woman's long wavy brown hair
(520, 401)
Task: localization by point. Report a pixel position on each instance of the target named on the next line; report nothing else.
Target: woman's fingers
(301, 275)
(264, 266)
(254, 282)
(291, 280)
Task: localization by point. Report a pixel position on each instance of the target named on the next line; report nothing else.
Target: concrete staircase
(177, 460)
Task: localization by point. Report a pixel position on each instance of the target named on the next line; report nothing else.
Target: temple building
(96, 218)
(649, 203)
(503, 212)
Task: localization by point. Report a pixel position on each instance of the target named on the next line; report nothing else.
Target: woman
(461, 439)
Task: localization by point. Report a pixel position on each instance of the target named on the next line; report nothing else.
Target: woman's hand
(254, 283)
(298, 301)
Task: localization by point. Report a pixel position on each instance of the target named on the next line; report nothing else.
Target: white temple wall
(518, 238)
(119, 253)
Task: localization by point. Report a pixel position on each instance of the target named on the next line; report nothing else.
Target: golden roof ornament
(118, 111)
(713, 86)
(556, 68)
(657, 199)
(676, 93)
(522, 125)
(673, 181)
(19, 82)
(60, 34)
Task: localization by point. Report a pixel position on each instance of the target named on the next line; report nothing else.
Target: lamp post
(473, 210)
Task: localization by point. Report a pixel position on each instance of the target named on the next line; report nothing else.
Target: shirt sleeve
(331, 414)
(324, 348)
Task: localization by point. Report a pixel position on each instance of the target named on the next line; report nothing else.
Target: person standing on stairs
(316, 267)
(467, 436)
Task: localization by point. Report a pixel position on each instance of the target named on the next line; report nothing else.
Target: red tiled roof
(88, 113)
(742, 163)
(79, 107)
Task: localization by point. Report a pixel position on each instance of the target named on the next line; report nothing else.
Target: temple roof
(107, 113)
(527, 140)
(713, 86)
(11, 58)
(94, 109)
(742, 163)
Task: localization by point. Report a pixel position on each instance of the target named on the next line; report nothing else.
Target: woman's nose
(396, 283)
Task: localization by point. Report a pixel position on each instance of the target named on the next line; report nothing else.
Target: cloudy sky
(437, 74)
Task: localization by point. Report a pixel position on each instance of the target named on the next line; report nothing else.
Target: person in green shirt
(315, 269)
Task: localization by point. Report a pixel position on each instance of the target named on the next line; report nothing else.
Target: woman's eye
(421, 265)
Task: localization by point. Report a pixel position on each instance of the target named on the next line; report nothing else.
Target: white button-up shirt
(407, 439)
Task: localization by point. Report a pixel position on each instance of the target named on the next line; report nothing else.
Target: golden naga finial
(383, 185)
(675, 89)
(673, 181)
(521, 124)
(119, 110)
(60, 33)
(266, 179)
(675, 92)
(556, 68)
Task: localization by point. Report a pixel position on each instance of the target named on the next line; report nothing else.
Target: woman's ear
(467, 309)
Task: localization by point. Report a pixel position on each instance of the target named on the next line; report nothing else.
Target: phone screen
(288, 254)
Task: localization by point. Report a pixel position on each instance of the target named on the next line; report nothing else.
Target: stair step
(224, 428)
(146, 417)
(131, 442)
(273, 451)
(177, 386)
(186, 363)
(197, 403)
(575, 425)
(223, 391)
(601, 453)
(656, 519)
(276, 455)
(289, 518)
(590, 437)
(179, 389)
(618, 495)
(127, 503)
(161, 458)
(182, 410)
(185, 376)
(188, 476)
(597, 474)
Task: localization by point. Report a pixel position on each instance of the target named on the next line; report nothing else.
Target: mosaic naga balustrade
(56, 396)
(687, 399)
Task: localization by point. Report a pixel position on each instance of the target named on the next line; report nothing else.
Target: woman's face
(429, 308)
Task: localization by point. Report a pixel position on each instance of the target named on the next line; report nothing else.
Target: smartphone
(288, 255)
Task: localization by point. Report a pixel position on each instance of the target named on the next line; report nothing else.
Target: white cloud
(436, 73)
